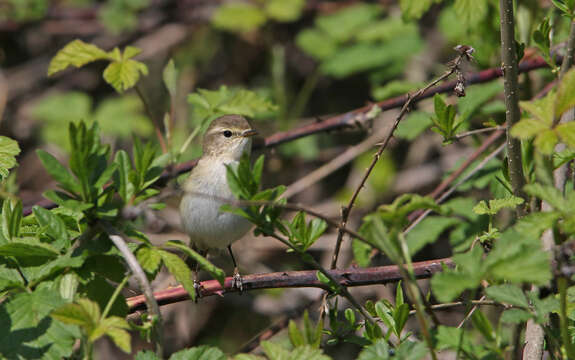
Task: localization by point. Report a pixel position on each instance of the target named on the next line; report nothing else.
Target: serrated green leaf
(149, 258)
(535, 223)
(518, 258)
(565, 99)
(427, 232)
(215, 271)
(170, 77)
(146, 355)
(376, 351)
(54, 226)
(238, 17)
(515, 316)
(566, 132)
(124, 74)
(203, 352)
(59, 172)
(8, 150)
(467, 275)
(28, 332)
(541, 109)
(178, 268)
(77, 53)
(545, 141)
(549, 194)
(23, 250)
(85, 314)
(509, 294)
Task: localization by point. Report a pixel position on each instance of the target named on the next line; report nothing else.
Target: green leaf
(284, 10)
(53, 225)
(545, 141)
(549, 194)
(541, 109)
(238, 17)
(376, 351)
(28, 251)
(146, 355)
(496, 205)
(122, 177)
(509, 294)
(413, 125)
(77, 53)
(295, 336)
(427, 231)
(361, 253)
(178, 268)
(208, 104)
(203, 352)
(316, 43)
(414, 9)
(471, 12)
(125, 73)
(566, 132)
(565, 99)
(170, 77)
(535, 223)
(528, 128)
(216, 272)
(343, 24)
(515, 316)
(28, 332)
(518, 258)
(275, 351)
(450, 283)
(84, 313)
(59, 172)
(8, 151)
(149, 258)
(409, 350)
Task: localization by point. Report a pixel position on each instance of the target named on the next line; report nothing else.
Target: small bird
(225, 141)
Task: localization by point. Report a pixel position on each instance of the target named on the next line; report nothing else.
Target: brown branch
(292, 279)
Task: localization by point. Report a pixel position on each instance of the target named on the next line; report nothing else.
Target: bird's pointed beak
(249, 133)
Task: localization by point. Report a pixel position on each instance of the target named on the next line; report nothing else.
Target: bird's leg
(237, 281)
(197, 285)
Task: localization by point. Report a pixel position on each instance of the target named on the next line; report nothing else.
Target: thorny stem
(478, 131)
(346, 211)
(511, 90)
(460, 303)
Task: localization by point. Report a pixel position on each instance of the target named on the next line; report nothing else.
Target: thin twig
(346, 211)
(460, 303)
(295, 279)
(478, 131)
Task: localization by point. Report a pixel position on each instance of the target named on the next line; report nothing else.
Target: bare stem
(140, 275)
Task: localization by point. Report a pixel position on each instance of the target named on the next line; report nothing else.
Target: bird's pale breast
(207, 226)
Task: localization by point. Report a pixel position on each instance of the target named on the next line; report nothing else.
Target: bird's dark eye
(227, 133)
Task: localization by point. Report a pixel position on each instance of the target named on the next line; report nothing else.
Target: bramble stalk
(512, 114)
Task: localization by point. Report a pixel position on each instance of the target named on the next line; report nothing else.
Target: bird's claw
(198, 288)
(237, 281)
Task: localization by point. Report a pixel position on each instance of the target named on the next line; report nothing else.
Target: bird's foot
(237, 281)
(198, 288)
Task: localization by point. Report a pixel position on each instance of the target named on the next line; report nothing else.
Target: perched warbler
(206, 190)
